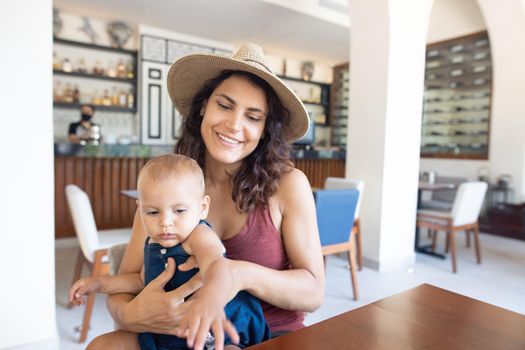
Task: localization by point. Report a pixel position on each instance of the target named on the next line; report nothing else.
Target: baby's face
(170, 209)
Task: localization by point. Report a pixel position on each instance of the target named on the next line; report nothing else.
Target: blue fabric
(244, 310)
(335, 214)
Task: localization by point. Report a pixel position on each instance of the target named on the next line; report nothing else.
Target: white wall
(27, 295)
(453, 18)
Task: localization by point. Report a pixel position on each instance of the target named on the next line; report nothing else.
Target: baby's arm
(207, 310)
(128, 283)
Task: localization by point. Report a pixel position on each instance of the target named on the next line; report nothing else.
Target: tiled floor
(500, 280)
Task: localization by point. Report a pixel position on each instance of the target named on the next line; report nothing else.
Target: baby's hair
(175, 166)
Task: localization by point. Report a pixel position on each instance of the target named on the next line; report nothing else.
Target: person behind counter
(85, 130)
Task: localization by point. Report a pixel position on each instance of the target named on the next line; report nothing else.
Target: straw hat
(189, 74)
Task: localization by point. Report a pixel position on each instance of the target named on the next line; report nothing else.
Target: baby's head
(171, 198)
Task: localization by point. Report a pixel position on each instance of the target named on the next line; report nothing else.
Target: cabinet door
(159, 119)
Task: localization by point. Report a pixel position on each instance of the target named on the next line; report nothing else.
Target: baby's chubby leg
(116, 340)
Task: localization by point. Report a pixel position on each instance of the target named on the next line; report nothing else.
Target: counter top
(148, 151)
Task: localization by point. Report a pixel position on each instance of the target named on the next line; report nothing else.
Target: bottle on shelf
(67, 97)
(131, 99)
(67, 66)
(76, 95)
(130, 73)
(97, 69)
(96, 98)
(121, 69)
(111, 72)
(122, 99)
(114, 96)
(106, 100)
(57, 91)
(57, 65)
(81, 66)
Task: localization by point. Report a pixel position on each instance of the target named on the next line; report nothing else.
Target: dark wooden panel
(103, 179)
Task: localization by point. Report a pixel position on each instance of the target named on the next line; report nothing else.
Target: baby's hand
(202, 316)
(83, 286)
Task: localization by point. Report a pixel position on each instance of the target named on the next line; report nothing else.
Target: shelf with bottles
(315, 96)
(103, 76)
(111, 98)
(340, 95)
(457, 98)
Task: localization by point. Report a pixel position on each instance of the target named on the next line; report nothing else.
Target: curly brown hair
(258, 177)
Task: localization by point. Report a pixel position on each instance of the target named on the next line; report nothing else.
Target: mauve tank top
(259, 242)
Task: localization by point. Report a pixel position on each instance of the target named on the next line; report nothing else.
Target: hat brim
(189, 74)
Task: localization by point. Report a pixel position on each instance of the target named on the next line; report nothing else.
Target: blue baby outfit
(244, 310)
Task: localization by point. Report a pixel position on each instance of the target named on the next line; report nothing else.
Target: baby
(173, 208)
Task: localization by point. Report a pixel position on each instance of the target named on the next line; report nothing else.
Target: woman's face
(234, 119)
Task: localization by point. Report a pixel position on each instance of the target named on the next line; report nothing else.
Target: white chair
(338, 183)
(463, 217)
(94, 244)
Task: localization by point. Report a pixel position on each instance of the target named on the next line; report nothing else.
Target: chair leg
(476, 243)
(434, 239)
(353, 271)
(452, 242)
(78, 270)
(447, 244)
(95, 271)
(467, 236)
(358, 246)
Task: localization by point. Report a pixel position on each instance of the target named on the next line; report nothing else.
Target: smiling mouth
(228, 139)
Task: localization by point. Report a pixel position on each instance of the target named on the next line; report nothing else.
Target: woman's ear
(203, 108)
(205, 207)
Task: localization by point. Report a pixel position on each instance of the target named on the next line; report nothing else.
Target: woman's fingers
(160, 281)
(187, 288)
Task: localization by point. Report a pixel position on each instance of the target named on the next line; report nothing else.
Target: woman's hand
(157, 311)
(206, 314)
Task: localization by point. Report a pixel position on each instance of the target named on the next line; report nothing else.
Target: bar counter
(103, 171)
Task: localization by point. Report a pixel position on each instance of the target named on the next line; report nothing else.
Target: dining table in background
(424, 317)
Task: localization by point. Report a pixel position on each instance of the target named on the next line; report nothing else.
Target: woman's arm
(302, 287)
(152, 310)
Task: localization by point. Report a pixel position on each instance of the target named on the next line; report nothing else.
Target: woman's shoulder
(293, 185)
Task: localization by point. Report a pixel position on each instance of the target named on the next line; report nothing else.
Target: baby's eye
(152, 212)
(180, 211)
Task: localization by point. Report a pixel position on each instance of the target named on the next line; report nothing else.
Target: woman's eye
(254, 118)
(222, 105)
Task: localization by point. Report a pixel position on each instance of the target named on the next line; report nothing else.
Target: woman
(239, 119)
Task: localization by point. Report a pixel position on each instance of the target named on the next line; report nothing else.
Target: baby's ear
(205, 207)
(137, 201)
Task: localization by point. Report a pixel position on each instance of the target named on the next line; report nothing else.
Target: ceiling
(279, 30)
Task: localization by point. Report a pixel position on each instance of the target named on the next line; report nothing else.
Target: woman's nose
(234, 122)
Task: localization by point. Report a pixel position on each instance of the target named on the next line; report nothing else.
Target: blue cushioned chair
(335, 219)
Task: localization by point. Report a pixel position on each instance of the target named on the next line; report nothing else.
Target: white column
(505, 22)
(387, 60)
(27, 255)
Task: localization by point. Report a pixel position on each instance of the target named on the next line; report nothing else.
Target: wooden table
(425, 317)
